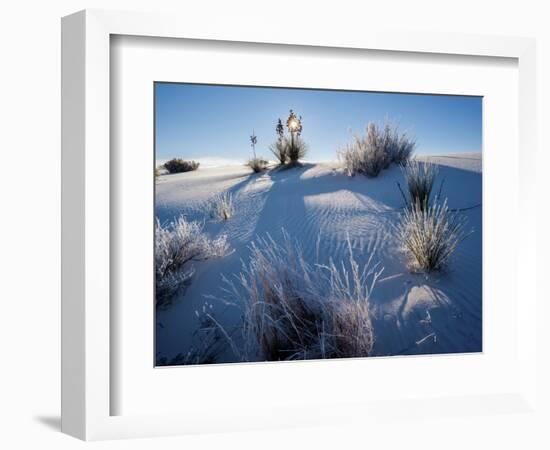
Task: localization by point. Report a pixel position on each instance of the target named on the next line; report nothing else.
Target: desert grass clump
(257, 164)
(177, 246)
(297, 310)
(376, 150)
(420, 177)
(222, 207)
(431, 234)
(178, 165)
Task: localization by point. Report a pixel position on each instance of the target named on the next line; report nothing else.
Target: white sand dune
(413, 313)
(464, 161)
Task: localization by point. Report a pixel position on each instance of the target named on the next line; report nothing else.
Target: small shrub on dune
(296, 310)
(257, 164)
(420, 177)
(177, 246)
(431, 234)
(177, 165)
(222, 207)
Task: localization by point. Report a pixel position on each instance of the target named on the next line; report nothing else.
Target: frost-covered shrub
(257, 164)
(376, 150)
(177, 246)
(351, 157)
(222, 207)
(297, 310)
(431, 233)
(420, 177)
(366, 154)
(177, 165)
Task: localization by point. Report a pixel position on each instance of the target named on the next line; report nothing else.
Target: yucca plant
(253, 142)
(289, 149)
(279, 149)
(296, 149)
(431, 234)
(222, 206)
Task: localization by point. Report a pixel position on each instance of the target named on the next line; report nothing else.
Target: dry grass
(296, 310)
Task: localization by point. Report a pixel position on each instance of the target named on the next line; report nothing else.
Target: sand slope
(413, 313)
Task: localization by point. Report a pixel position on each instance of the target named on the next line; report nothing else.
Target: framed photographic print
(306, 212)
(295, 239)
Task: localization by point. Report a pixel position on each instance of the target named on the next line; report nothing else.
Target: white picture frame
(87, 385)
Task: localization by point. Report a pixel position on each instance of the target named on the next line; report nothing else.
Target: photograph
(306, 224)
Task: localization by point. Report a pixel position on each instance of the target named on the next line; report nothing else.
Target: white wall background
(30, 196)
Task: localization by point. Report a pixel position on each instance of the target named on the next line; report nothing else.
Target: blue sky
(204, 121)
